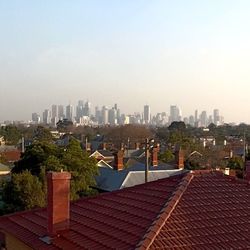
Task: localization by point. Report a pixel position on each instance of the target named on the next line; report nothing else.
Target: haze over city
(194, 54)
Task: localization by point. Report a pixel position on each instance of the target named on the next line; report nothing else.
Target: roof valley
(165, 213)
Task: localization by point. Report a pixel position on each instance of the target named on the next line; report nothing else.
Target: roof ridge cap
(165, 213)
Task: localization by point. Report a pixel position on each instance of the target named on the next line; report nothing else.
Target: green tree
(42, 134)
(35, 156)
(236, 163)
(11, 134)
(43, 156)
(181, 126)
(82, 168)
(167, 156)
(23, 191)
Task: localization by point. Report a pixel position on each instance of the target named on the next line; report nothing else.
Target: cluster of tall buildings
(81, 115)
(196, 120)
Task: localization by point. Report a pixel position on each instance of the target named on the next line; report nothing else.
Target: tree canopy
(11, 134)
(44, 154)
(23, 191)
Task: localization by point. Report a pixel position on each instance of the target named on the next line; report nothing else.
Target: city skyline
(83, 114)
(191, 54)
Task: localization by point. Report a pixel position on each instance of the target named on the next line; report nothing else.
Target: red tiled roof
(11, 156)
(213, 213)
(192, 211)
(116, 220)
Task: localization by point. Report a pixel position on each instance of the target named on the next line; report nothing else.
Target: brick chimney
(58, 202)
(154, 156)
(179, 158)
(118, 164)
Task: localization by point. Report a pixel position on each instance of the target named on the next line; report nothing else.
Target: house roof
(103, 153)
(188, 211)
(11, 156)
(110, 179)
(116, 220)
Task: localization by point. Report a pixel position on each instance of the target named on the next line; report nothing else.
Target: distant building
(35, 118)
(175, 114)
(147, 114)
(61, 112)
(203, 119)
(54, 111)
(105, 115)
(46, 116)
(69, 112)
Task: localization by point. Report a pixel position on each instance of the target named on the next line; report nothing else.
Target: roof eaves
(164, 214)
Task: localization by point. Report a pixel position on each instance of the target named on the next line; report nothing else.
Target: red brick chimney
(118, 164)
(58, 199)
(179, 158)
(154, 156)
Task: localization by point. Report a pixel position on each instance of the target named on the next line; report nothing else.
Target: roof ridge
(165, 213)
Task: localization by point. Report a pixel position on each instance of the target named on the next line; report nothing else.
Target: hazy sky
(195, 54)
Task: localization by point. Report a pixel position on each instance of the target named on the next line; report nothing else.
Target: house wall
(12, 243)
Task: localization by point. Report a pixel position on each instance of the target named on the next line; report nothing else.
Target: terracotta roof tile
(116, 220)
(189, 211)
(213, 213)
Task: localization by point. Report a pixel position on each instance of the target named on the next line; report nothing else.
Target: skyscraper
(174, 114)
(69, 112)
(203, 119)
(46, 116)
(216, 118)
(105, 115)
(60, 112)
(35, 118)
(146, 114)
(54, 111)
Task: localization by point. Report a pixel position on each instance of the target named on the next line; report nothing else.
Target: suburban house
(192, 210)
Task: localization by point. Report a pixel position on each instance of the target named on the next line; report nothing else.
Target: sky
(190, 53)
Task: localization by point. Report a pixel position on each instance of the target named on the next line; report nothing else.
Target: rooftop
(185, 211)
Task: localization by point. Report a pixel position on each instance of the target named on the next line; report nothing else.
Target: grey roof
(134, 153)
(105, 153)
(110, 180)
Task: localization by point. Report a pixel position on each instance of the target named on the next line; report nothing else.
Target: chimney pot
(58, 202)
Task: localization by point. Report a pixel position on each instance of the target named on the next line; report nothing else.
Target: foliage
(43, 156)
(11, 134)
(23, 191)
(42, 134)
(133, 133)
(35, 157)
(236, 163)
(180, 126)
(166, 156)
(64, 125)
(82, 168)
